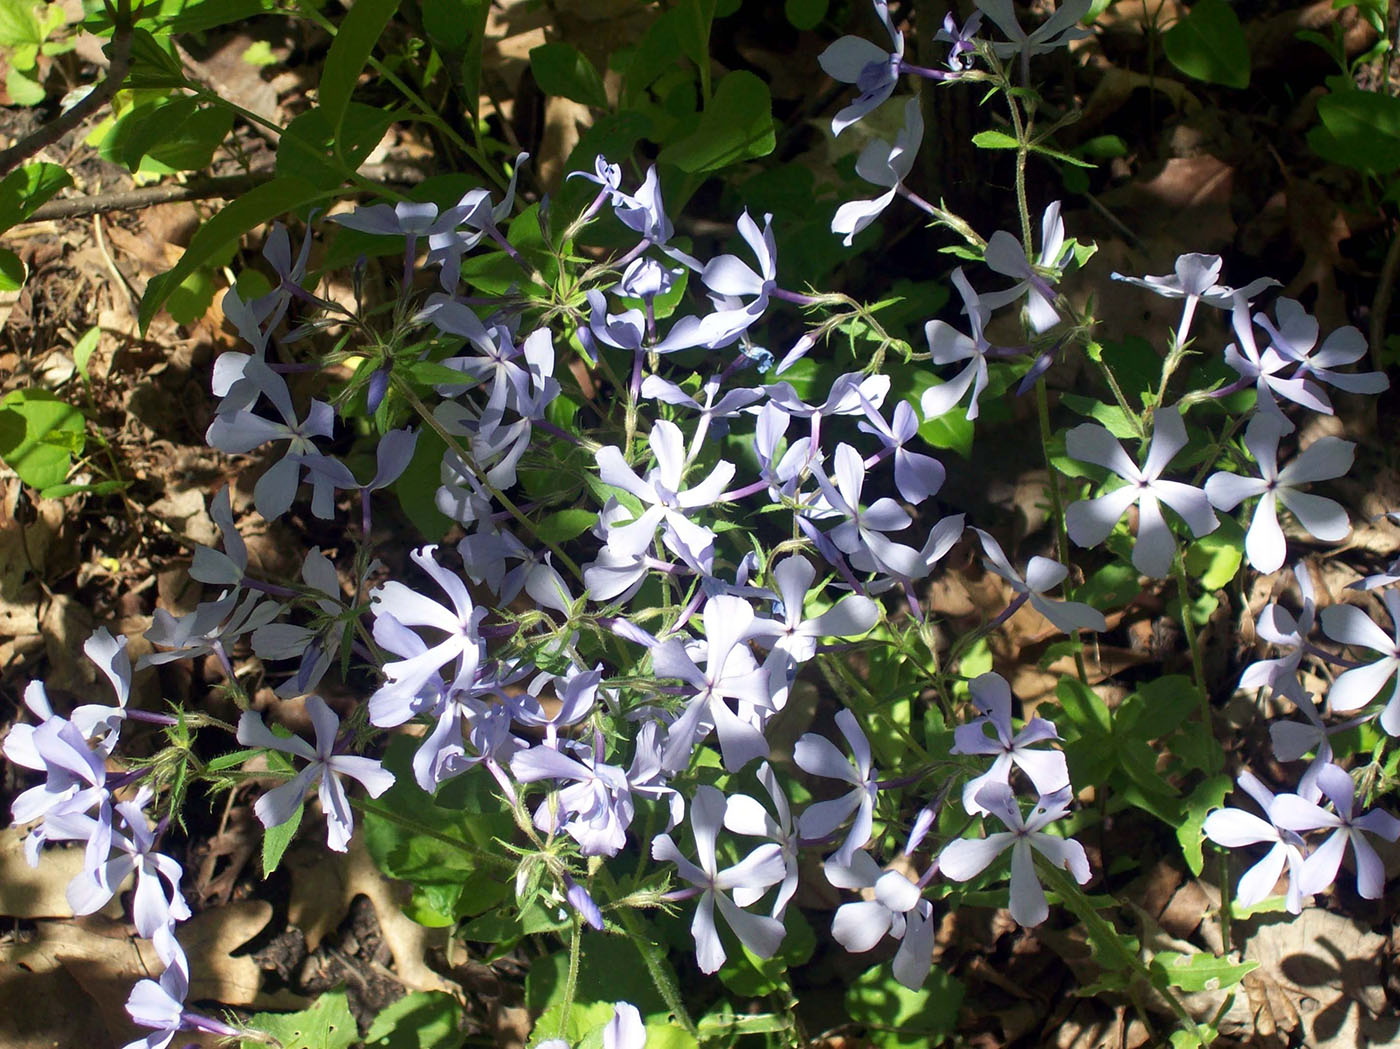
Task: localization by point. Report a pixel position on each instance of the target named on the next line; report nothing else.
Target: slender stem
(571, 980)
(655, 960)
(1183, 586)
(1109, 940)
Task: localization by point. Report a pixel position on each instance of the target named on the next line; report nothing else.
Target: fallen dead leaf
(322, 889)
(39, 892)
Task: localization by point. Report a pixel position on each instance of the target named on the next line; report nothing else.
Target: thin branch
(95, 99)
(227, 187)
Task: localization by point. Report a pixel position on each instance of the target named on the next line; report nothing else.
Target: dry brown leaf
(322, 889)
(39, 892)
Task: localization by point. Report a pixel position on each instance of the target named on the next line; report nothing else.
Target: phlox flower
(160, 1005)
(240, 431)
(226, 568)
(960, 53)
(744, 815)
(315, 647)
(1089, 521)
(209, 628)
(728, 277)
(1265, 371)
(730, 673)
(449, 242)
(1324, 519)
(817, 756)
(947, 345)
(1236, 828)
(762, 867)
(1277, 626)
(967, 857)
(896, 907)
(1042, 574)
(1006, 255)
(595, 809)
(1296, 813)
(874, 72)
(278, 805)
(883, 164)
(1052, 34)
(1354, 688)
(662, 492)
(1046, 769)
(396, 606)
(797, 636)
(1295, 338)
(917, 476)
(862, 533)
(1195, 278)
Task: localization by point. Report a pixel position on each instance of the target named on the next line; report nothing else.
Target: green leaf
(192, 299)
(994, 140)
(328, 1024)
(610, 970)
(83, 349)
(693, 19)
(1209, 44)
(307, 146)
(1198, 972)
(359, 31)
(38, 434)
(1215, 558)
(1114, 419)
(896, 1016)
(1360, 129)
(1209, 794)
(22, 192)
(737, 125)
(562, 69)
(421, 1020)
(563, 525)
(18, 26)
(258, 205)
(12, 271)
(276, 839)
(152, 63)
(805, 14)
(1084, 709)
(259, 53)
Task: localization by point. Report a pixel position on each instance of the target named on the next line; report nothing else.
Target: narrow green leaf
(260, 204)
(991, 139)
(1209, 44)
(83, 349)
(354, 42)
(1198, 972)
(276, 839)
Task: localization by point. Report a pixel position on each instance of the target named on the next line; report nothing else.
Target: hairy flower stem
(655, 960)
(571, 980)
(1109, 941)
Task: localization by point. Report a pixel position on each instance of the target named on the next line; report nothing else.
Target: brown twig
(227, 187)
(98, 97)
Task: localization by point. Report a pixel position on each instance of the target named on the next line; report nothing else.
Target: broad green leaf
(192, 299)
(1085, 710)
(1360, 129)
(1209, 794)
(1209, 44)
(421, 1020)
(896, 1016)
(22, 192)
(12, 271)
(259, 53)
(359, 31)
(328, 1024)
(258, 205)
(1215, 558)
(737, 125)
(38, 435)
(1198, 972)
(610, 970)
(1113, 418)
(18, 26)
(563, 525)
(23, 89)
(805, 14)
(562, 69)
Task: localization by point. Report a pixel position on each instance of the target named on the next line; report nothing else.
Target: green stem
(571, 980)
(1110, 941)
(655, 961)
